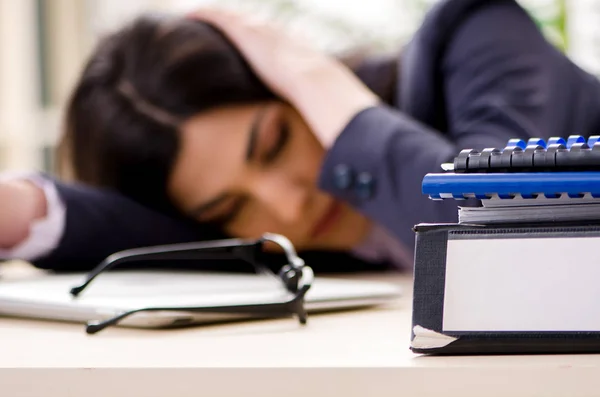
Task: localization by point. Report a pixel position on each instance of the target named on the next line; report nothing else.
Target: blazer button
(365, 185)
(343, 177)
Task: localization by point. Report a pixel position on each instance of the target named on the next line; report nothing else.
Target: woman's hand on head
(321, 88)
(22, 203)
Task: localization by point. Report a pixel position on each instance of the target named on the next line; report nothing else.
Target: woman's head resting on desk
(169, 113)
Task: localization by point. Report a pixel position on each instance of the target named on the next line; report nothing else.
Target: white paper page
(534, 284)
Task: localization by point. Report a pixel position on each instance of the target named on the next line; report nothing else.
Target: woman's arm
(500, 80)
(96, 224)
(101, 222)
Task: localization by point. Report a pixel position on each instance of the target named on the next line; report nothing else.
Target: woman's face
(253, 169)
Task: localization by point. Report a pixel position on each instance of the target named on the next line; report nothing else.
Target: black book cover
(428, 335)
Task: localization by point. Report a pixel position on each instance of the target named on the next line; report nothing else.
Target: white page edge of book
(544, 284)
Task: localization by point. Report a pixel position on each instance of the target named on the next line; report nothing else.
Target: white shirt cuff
(45, 233)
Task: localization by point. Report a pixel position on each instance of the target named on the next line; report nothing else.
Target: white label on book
(522, 284)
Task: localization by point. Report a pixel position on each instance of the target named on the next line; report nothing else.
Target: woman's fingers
(272, 53)
(249, 34)
(324, 92)
(22, 203)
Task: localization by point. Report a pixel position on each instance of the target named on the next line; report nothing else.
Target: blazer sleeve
(501, 80)
(100, 222)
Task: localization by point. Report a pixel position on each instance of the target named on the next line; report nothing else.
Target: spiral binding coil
(535, 155)
(536, 169)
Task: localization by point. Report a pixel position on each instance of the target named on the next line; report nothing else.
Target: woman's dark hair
(141, 82)
(121, 126)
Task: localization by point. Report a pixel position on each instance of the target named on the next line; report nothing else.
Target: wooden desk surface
(340, 354)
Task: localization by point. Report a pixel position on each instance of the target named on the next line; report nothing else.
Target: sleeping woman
(192, 128)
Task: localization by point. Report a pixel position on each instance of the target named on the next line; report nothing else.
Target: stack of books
(520, 273)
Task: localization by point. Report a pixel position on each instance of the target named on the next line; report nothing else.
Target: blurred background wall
(43, 44)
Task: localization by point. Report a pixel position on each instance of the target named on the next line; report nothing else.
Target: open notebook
(47, 297)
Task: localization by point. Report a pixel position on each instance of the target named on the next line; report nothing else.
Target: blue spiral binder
(531, 169)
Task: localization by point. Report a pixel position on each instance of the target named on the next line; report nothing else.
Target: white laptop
(47, 296)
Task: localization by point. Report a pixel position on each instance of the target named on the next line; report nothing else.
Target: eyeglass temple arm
(222, 249)
(293, 306)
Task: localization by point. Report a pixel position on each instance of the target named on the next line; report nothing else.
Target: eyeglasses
(296, 277)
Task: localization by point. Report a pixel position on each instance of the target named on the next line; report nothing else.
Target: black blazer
(476, 73)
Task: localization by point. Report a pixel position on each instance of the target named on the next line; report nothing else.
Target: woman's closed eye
(265, 146)
(271, 148)
(226, 212)
(275, 144)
